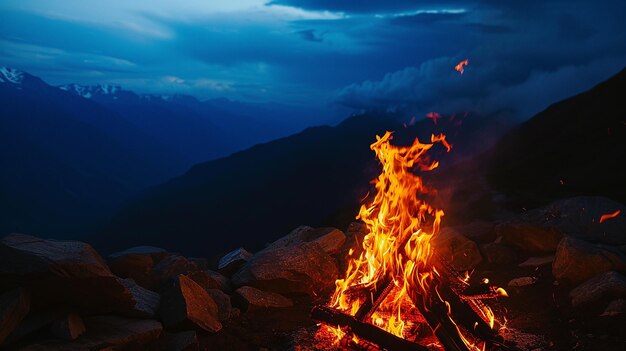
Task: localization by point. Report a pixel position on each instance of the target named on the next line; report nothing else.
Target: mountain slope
(66, 160)
(315, 177)
(574, 147)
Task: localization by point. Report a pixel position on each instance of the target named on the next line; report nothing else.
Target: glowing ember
(460, 67)
(604, 217)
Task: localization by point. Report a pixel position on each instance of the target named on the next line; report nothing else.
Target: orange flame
(400, 226)
(460, 66)
(604, 217)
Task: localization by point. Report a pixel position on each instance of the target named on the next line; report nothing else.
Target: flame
(604, 217)
(400, 226)
(460, 66)
(397, 249)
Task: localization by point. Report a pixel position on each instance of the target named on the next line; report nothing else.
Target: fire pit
(397, 293)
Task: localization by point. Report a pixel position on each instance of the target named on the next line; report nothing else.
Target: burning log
(365, 331)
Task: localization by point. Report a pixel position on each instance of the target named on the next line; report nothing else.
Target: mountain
(67, 160)
(574, 147)
(316, 177)
(202, 130)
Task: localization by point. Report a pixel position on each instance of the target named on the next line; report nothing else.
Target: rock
(108, 333)
(357, 227)
(537, 261)
(27, 255)
(70, 327)
(232, 261)
(522, 281)
(135, 266)
(303, 268)
(460, 252)
(604, 287)
(252, 299)
(498, 254)
(614, 308)
(332, 242)
(182, 341)
(211, 280)
(70, 274)
(478, 231)
(185, 304)
(200, 262)
(156, 253)
(579, 217)
(577, 260)
(224, 307)
(330, 239)
(146, 302)
(120, 332)
(529, 238)
(14, 306)
(171, 267)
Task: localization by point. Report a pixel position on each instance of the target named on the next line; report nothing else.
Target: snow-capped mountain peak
(10, 75)
(89, 91)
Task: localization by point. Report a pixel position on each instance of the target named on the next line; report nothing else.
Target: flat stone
(185, 304)
(303, 268)
(330, 239)
(577, 260)
(537, 261)
(253, 299)
(232, 261)
(70, 327)
(14, 306)
(604, 287)
(529, 238)
(460, 252)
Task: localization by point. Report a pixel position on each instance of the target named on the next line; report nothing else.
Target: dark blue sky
(359, 53)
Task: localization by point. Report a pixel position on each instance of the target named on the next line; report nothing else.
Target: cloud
(370, 6)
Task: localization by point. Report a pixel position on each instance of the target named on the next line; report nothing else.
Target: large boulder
(330, 239)
(602, 288)
(530, 238)
(70, 274)
(579, 217)
(301, 268)
(14, 306)
(186, 305)
(460, 252)
(576, 260)
(252, 299)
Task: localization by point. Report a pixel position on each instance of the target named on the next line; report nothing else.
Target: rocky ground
(563, 270)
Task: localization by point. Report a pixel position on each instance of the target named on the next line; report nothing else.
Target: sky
(361, 54)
